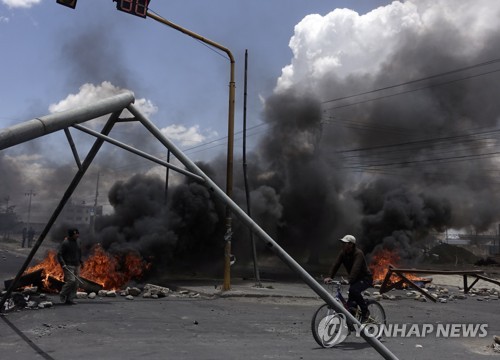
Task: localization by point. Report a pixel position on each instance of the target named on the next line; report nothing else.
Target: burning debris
(382, 260)
(101, 270)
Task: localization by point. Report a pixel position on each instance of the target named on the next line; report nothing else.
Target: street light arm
(192, 34)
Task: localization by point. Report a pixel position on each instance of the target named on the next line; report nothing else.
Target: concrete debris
(92, 295)
(443, 295)
(81, 295)
(45, 304)
(155, 291)
(30, 290)
(129, 297)
(496, 338)
(111, 293)
(133, 291)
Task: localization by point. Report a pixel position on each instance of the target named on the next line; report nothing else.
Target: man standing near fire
(360, 277)
(70, 258)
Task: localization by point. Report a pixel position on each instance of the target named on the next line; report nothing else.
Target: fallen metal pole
(271, 244)
(137, 152)
(48, 124)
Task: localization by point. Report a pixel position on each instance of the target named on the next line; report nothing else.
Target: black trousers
(355, 294)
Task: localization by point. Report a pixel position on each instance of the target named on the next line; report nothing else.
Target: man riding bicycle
(360, 277)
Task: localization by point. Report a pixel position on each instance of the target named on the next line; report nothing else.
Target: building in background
(79, 215)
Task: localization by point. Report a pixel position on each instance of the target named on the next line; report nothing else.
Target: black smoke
(175, 234)
(392, 167)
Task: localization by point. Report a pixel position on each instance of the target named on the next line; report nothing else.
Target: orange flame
(112, 272)
(380, 264)
(381, 261)
(50, 267)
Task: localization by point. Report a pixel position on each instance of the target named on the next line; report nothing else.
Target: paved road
(232, 328)
(237, 327)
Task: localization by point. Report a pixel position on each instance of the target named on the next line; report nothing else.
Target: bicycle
(330, 328)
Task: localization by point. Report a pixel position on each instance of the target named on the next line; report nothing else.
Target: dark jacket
(70, 252)
(355, 264)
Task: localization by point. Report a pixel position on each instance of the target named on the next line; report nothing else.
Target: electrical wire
(489, 62)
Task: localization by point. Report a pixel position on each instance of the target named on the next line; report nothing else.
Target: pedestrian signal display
(134, 7)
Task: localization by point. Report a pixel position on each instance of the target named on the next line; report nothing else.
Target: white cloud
(90, 93)
(187, 136)
(4, 19)
(21, 3)
(344, 43)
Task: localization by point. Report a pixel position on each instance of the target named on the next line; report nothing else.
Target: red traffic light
(68, 3)
(134, 7)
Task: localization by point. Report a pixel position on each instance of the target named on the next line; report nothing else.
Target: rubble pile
(31, 298)
(441, 294)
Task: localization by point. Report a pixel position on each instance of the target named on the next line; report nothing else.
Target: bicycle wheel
(377, 318)
(377, 313)
(328, 327)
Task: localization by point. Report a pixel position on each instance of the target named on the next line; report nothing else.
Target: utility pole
(30, 194)
(94, 209)
(142, 11)
(7, 199)
(167, 175)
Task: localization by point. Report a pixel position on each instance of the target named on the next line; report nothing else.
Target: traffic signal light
(68, 3)
(134, 7)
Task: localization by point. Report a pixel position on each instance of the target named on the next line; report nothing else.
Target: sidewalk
(245, 288)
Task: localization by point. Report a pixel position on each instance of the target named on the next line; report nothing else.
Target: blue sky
(185, 80)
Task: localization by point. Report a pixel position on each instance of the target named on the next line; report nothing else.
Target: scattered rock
(159, 291)
(45, 304)
(133, 291)
(81, 295)
(496, 338)
(111, 293)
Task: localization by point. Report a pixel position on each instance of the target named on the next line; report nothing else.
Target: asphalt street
(268, 323)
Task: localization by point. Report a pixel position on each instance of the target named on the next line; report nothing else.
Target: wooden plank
(33, 278)
(440, 272)
(415, 286)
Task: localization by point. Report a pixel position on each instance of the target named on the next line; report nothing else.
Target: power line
(413, 90)
(489, 62)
